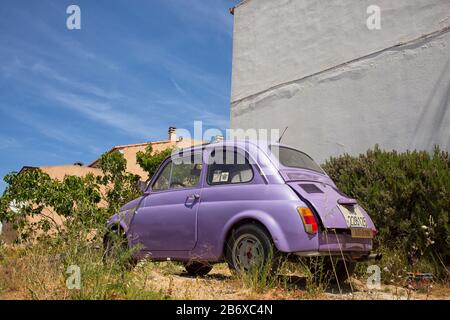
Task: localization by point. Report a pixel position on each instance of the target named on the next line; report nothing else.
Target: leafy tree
(82, 202)
(121, 186)
(150, 161)
(26, 195)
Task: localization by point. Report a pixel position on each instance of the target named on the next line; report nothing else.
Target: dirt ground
(221, 284)
(170, 280)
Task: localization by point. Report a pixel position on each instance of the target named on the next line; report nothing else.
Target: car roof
(263, 144)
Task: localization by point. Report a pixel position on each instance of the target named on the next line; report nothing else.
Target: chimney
(172, 134)
(217, 138)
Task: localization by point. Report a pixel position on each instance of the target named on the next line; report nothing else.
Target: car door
(230, 187)
(167, 218)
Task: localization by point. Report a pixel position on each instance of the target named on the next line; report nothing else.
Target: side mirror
(142, 186)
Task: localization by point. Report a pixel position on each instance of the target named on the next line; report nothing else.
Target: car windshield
(292, 158)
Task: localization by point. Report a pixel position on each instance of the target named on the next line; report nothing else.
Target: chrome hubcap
(247, 251)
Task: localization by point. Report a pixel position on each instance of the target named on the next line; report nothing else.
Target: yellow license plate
(361, 233)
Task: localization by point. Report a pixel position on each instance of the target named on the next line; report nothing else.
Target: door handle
(194, 197)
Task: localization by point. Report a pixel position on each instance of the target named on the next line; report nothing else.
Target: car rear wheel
(250, 247)
(194, 268)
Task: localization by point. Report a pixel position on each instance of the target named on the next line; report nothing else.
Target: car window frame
(158, 174)
(170, 161)
(235, 150)
(304, 153)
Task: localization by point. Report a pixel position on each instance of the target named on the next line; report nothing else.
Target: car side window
(186, 172)
(163, 180)
(182, 172)
(228, 167)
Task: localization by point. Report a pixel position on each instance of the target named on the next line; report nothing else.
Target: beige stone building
(59, 172)
(78, 169)
(129, 151)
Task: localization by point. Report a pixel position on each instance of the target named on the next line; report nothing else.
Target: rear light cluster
(309, 220)
(374, 232)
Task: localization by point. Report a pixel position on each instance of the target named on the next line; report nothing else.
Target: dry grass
(27, 275)
(33, 273)
(40, 272)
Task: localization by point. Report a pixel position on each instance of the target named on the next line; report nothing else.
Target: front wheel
(250, 247)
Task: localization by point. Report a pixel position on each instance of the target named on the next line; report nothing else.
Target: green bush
(150, 160)
(38, 269)
(83, 201)
(408, 197)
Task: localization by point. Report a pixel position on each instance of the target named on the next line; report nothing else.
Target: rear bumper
(340, 243)
(349, 256)
(337, 241)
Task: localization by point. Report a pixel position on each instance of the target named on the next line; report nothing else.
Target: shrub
(85, 202)
(150, 160)
(38, 269)
(408, 197)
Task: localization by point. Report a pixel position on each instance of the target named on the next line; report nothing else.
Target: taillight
(374, 232)
(309, 221)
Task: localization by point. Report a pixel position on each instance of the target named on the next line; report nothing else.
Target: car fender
(118, 220)
(124, 217)
(263, 218)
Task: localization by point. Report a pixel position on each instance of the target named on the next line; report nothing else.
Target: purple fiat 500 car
(242, 202)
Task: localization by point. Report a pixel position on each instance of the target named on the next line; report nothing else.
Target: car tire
(340, 273)
(195, 268)
(251, 242)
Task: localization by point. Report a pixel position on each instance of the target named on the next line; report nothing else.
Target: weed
(39, 271)
(259, 277)
(317, 277)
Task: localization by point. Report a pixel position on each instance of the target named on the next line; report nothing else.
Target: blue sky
(134, 69)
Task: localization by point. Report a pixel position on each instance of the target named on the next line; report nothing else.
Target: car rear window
(292, 158)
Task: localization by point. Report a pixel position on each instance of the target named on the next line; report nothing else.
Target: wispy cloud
(102, 112)
(214, 120)
(194, 75)
(180, 70)
(111, 108)
(52, 131)
(57, 40)
(131, 96)
(8, 142)
(205, 15)
(178, 87)
(86, 87)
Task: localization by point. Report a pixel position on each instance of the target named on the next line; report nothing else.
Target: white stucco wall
(314, 66)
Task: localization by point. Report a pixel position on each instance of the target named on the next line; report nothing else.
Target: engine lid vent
(310, 188)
